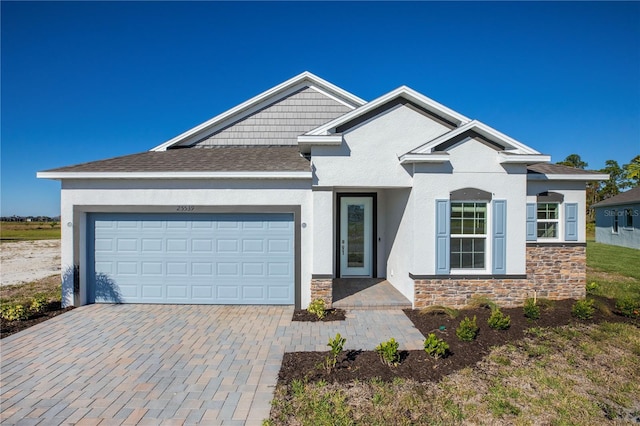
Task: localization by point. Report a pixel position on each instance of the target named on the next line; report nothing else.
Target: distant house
(618, 219)
(280, 198)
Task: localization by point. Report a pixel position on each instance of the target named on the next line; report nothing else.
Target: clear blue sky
(84, 81)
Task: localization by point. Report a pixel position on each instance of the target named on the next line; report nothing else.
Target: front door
(356, 233)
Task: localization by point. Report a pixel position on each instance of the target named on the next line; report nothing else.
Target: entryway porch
(367, 293)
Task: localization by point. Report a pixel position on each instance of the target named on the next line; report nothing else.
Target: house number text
(185, 208)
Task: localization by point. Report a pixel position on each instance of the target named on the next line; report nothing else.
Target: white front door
(356, 233)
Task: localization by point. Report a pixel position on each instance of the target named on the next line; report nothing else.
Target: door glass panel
(355, 242)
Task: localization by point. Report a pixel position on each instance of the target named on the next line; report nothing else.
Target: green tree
(617, 180)
(574, 160)
(632, 171)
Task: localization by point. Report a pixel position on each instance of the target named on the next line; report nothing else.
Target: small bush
(318, 308)
(388, 352)
(583, 309)
(13, 312)
(498, 320)
(628, 307)
(38, 303)
(435, 347)
(531, 310)
(592, 286)
(337, 345)
(467, 330)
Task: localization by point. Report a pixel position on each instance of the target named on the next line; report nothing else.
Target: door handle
(343, 247)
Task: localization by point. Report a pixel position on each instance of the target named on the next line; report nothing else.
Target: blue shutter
(531, 222)
(499, 236)
(442, 236)
(571, 222)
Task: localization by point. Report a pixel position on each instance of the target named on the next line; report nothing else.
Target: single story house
(272, 200)
(618, 219)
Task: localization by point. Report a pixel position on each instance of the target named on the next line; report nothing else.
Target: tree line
(620, 178)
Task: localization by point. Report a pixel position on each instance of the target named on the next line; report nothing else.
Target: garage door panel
(215, 258)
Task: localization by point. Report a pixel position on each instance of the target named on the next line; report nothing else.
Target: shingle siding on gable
(280, 123)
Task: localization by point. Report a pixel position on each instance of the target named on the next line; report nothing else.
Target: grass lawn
(21, 231)
(558, 375)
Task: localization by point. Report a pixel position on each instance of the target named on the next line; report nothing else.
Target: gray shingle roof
(628, 197)
(214, 159)
(557, 169)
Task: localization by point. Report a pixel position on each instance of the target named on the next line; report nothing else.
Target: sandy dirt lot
(24, 261)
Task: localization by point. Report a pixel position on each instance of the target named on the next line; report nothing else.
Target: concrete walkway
(167, 364)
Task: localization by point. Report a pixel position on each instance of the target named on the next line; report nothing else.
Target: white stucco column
(323, 233)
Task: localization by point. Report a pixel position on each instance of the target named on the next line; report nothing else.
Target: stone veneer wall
(554, 271)
(322, 288)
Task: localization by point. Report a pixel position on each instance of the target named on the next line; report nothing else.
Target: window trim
(615, 222)
(557, 221)
(486, 236)
(628, 219)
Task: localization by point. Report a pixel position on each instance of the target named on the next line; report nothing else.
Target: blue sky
(83, 81)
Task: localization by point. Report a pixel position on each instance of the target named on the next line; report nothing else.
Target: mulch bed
(331, 315)
(7, 328)
(417, 365)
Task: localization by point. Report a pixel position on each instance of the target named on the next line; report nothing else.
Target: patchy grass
(612, 271)
(23, 293)
(23, 231)
(554, 376)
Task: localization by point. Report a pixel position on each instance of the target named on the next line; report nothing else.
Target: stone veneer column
(322, 288)
(554, 271)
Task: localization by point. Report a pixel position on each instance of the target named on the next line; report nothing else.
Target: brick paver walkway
(167, 364)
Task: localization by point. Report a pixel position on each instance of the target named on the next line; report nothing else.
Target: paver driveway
(167, 364)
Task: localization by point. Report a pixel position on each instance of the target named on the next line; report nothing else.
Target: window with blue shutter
(442, 237)
(571, 222)
(500, 236)
(531, 222)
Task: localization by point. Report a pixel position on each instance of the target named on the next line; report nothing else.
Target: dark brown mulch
(331, 315)
(7, 328)
(365, 365)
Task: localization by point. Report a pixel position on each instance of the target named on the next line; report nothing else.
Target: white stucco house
(271, 201)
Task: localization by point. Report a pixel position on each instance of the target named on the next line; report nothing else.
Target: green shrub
(435, 347)
(318, 308)
(592, 286)
(13, 312)
(38, 303)
(388, 352)
(336, 344)
(583, 309)
(467, 330)
(498, 320)
(531, 310)
(628, 307)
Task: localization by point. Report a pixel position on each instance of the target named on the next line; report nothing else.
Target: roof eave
(576, 177)
(424, 158)
(528, 159)
(176, 175)
(403, 91)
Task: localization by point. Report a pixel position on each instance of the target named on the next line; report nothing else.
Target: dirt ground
(25, 261)
(416, 365)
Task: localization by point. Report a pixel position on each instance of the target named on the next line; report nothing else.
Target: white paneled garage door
(191, 258)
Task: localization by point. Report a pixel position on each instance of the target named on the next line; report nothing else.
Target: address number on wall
(185, 208)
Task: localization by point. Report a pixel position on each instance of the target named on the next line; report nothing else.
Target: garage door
(191, 259)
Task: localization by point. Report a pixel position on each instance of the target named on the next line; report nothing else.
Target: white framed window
(468, 245)
(616, 222)
(548, 220)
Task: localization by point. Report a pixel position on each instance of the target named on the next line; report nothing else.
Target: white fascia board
(483, 130)
(403, 91)
(306, 142)
(584, 177)
(174, 175)
(507, 158)
(261, 100)
(424, 158)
